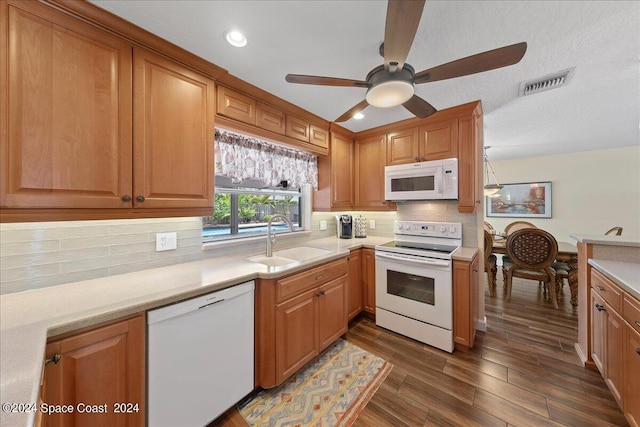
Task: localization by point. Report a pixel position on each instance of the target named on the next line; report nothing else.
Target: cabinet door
(463, 301)
(319, 137)
(173, 135)
(332, 311)
(355, 284)
(236, 105)
(469, 174)
(270, 118)
(341, 172)
(296, 333)
(598, 332)
(102, 366)
(614, 357)
(66, 134)
(403, 147)
(439, 140)
(370, 156)
(631, 365)
(369, 280)
(297, 128)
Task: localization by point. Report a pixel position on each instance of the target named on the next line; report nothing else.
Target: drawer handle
(600, 307)
(319, 293)
(320, 277)
(600, 288)
(638, 350)
(55, 359)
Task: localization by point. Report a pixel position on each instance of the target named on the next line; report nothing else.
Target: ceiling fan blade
(419, 107)
(323, 81)
(485, 61)
(403, 18)
(346, 116)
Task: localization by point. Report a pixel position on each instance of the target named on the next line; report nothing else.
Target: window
(245, 212)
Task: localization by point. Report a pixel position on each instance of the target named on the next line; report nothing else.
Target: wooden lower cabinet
(615, 342)
(369, 280)
(355, 283)
(466, 282)
(297, 317)
(631, 362)
(98, 373)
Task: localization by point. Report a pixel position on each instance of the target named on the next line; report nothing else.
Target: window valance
(241, 159)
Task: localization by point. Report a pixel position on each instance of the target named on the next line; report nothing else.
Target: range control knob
(452, 229)
(443, 229)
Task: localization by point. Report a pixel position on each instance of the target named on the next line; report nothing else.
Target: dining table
(567, 253)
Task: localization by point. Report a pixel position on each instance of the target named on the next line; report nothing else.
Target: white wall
(592, 191)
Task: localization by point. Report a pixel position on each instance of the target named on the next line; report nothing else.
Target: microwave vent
(552, 81)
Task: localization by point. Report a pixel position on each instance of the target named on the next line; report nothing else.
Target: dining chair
(490, 261)
(514, 226)
(532, 251)
(488, 227)
(615, 230)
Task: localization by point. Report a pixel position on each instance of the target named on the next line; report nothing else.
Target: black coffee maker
(345, 226)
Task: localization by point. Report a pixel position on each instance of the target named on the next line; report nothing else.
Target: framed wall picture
(525, 200)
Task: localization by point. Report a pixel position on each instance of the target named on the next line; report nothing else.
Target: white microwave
(432, 180)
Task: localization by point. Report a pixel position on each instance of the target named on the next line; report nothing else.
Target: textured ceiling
(599, 108)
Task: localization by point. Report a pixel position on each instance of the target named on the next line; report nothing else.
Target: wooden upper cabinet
(173, 135)
(335, 176)
(370, 160)
(236, 105)
(439, 140)
(403, 147)
(297, 128)
(319, 137)
(470, 134)
(66, 134)
(270, 118)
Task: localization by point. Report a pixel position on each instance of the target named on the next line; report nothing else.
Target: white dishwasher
(200, 357)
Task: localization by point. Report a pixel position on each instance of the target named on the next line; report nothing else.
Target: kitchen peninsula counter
(28, 318)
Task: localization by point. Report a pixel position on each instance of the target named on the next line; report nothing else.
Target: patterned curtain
(240, 158)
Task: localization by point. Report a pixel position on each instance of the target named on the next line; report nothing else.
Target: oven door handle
(419, 260)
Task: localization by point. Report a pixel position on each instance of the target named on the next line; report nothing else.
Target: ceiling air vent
(552, 81)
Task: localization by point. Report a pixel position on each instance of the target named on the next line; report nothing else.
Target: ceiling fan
(393, 83)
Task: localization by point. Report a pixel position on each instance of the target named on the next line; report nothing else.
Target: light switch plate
(166, 241)
(323, 224)
(372, 224)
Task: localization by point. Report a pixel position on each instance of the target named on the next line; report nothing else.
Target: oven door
(416, 287)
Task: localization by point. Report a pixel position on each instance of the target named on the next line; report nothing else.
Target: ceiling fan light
(358, 116)
(390, 93)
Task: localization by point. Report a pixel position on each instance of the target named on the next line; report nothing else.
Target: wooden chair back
(615, 230)
(488, 245)
(532, 249)
(488, 227)
(517, 225)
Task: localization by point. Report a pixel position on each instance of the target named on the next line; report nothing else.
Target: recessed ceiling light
(235, 38)
(358, 116)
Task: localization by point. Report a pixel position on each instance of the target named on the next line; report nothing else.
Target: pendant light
(490, 189)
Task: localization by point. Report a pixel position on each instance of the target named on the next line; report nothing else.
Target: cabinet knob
(638, 350)
(320, 277)
(600, 307)
(638, 323)
(140, 199)
(55, 359)
(126, 198)
(600, 288)
(416, 158)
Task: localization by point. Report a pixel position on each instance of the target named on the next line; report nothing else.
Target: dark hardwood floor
(523, 371)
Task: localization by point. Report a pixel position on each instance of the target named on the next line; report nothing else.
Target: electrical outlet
(323, 224)
(166, 241)
(372, 224)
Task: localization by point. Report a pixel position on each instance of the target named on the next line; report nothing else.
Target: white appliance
(432, 180)
(414, 283)
(200, 357)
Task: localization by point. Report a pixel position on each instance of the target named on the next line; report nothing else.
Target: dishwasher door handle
(210, 304)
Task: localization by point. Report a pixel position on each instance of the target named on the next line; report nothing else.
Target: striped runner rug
(330, 390)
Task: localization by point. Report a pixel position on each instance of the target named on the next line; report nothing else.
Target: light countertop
(624, 274)
(28, 318)
(600, 239)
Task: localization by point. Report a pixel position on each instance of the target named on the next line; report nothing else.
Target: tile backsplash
(41, 254)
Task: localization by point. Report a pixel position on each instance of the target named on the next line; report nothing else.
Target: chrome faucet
(271, 238)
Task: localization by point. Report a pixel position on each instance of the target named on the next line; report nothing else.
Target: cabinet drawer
(608, 290)
(631, 311)
(294, 285)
